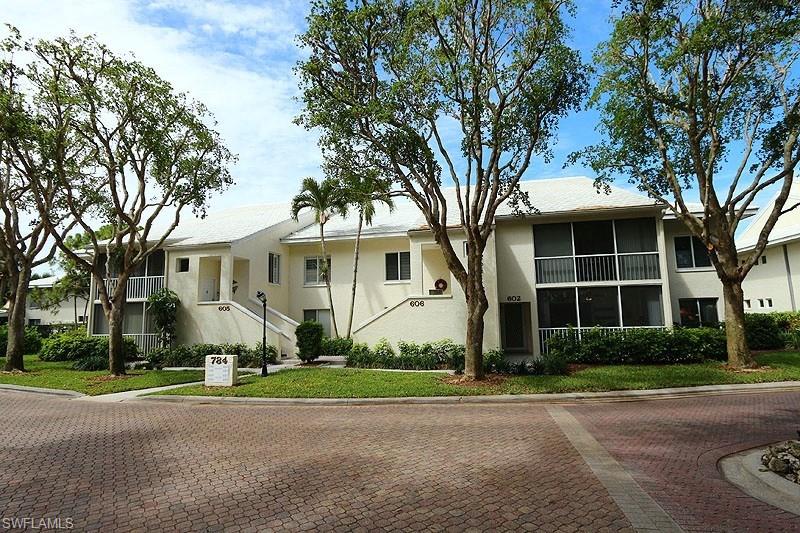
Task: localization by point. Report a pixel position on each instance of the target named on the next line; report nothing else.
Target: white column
(666, 297)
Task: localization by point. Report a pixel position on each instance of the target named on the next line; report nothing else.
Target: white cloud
(253, 101)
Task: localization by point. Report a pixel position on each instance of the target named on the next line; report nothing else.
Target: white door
(208, 290)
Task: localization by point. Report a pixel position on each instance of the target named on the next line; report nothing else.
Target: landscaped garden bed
(364, 383)
(62, 375)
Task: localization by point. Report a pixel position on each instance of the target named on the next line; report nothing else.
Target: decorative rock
(784, 460)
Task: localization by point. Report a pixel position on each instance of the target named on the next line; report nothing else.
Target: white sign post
(222, 370)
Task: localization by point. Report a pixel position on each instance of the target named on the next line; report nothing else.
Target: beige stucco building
(586, 258)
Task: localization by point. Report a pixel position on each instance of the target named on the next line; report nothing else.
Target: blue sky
(237, 58)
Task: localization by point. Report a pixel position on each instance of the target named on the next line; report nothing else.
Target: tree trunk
(739, 355)
(477, 305)
(355, 274)
(116, 346)
(75, 309)
(15, 348)
(328, 280)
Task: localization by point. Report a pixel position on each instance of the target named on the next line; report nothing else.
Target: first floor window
(690, 252)
(696, 312)
(641, 306)
(274, 268)
(598, 306)
(398, 266)
(605, 307)
(556, 308)
(314, 271)
(323, 316)
(182, 264)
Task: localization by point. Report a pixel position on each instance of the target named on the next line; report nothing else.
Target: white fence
(139, 288)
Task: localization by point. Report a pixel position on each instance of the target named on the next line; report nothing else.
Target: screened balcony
(601, 251)
(574, 310)
(147, 279)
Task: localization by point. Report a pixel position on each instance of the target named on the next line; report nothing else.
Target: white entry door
(209, 291)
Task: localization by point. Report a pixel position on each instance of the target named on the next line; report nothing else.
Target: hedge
(767, 331)
(640, 346)
(444, 354)
(195, 355)
(76, 344)
(31, 343)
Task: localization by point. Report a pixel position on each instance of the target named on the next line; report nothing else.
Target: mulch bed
(491, 380)
(109, 377)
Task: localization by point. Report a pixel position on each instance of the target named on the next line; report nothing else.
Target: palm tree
(364, 191)
(326, 199)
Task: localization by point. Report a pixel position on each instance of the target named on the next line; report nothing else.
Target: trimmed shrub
(793, 339)
(338, 347)
(309, 340)
(76, 344)
(552, 363)
(495, 361)
(251, 357)
(640, 346)
(91, 363)
(763, 331)
(31, 340)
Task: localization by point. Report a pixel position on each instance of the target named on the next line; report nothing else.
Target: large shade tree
(151, 154)
(24, 184)
(702, 97)
(435, 92)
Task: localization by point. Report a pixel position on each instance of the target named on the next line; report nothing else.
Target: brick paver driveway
(156, 466)
(671, 448)
(146, 466)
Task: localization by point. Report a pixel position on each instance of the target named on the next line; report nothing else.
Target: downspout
(789, 277)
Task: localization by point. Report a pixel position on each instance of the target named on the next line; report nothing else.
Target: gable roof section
(229, 225)
(786, 229)
(548, 196)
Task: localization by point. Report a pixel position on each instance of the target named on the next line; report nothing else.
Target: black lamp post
(263, 299)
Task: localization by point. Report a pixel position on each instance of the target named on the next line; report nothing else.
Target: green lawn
(357, 383)
(61, 376)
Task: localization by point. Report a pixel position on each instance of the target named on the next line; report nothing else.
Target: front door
(515, 326)
(208, 290)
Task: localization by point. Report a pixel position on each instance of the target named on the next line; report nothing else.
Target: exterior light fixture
(263, 299)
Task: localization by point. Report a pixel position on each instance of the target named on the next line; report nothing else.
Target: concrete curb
(567, 397)
(744, 470)
(41, 390)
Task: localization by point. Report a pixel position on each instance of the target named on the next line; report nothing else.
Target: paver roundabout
(149, 466)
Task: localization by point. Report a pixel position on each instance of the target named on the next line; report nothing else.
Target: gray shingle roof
(549, 196)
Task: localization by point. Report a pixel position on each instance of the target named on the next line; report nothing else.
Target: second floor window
(398, 266)
(690, 252)
(314, 274)
(182, 264)
(274, 273)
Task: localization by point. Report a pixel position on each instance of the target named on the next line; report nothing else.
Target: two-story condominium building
(584, 259)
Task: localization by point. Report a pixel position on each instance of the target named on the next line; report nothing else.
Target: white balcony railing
(139, 288)
(594, 268)
(545, 334)
(144, 341)
(639, 266)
